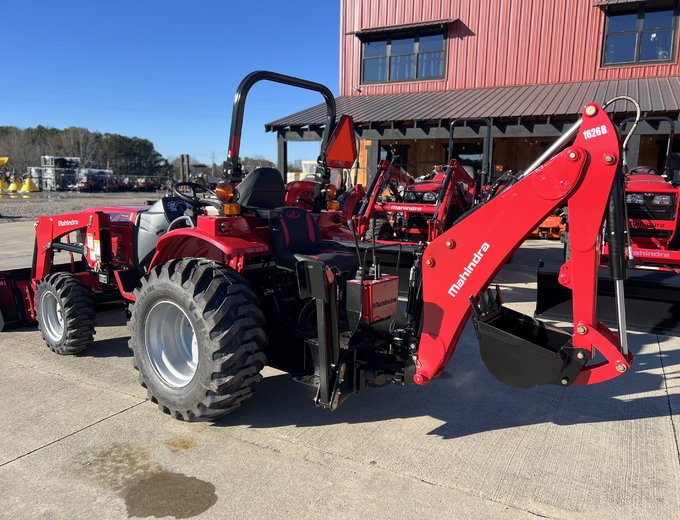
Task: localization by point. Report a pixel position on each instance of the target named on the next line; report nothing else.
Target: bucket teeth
(489, 304)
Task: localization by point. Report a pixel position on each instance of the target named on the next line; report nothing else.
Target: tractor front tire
(65, 310)
(198, 338)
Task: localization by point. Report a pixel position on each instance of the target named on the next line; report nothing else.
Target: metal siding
(495, 43)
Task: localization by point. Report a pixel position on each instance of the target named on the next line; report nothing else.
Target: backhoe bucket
(15, 288)
(652, 299)
(523, 352)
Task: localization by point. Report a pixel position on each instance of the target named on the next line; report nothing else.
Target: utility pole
(184, 169)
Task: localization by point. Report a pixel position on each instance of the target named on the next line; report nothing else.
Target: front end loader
(214, 297)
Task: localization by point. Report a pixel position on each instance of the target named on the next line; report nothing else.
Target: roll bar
(232, 166)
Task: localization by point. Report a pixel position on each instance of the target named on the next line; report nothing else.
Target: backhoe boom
(461, 263)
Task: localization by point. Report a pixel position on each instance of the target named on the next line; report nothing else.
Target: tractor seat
(262, 188)
(295, 238)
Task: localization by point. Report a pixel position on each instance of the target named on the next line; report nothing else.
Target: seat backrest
(294, 232)
(262, 188)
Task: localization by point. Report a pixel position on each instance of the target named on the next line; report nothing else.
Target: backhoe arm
(461, 263)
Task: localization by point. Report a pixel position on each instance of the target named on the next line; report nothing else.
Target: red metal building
(409, 67)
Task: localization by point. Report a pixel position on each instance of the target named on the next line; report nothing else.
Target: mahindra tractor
(402, 210)
(652, 207)
(219, 287)
(652, 245)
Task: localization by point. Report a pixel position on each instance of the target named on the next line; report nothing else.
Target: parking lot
(78, 438)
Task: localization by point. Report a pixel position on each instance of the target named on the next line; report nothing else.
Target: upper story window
(399, 58)
(639, 36)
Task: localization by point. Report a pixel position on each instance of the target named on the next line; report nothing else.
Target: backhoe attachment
(461, 263)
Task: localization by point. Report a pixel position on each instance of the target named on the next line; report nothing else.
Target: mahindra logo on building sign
(462, 278)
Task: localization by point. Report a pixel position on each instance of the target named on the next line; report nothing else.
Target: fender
(196, 242)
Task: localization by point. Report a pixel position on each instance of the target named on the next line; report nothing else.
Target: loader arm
(461, 263)
(387, 173)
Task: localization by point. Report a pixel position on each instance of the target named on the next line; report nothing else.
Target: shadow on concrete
(468, 400)
(111, 347)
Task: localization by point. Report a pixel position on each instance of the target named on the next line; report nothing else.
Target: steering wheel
(193, 198)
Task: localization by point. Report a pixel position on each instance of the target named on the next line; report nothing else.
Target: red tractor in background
(213, 298)
(402, 210)
(652, 199)
(325, 194)
(652, 202)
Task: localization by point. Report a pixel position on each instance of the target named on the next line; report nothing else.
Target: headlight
(635, 198)
(662, 200)
(410, 196)
(430, 196)
(224, 191)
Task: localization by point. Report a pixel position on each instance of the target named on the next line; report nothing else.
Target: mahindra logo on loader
(414, 208)
(62, 223)
(467, 272)
(651, 254)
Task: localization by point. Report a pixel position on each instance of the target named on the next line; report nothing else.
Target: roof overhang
(374, 31)
(605, 3)
(655, 95)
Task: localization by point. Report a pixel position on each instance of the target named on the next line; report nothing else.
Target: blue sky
(165, 70)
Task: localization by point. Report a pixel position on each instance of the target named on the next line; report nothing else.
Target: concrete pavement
(79, 440)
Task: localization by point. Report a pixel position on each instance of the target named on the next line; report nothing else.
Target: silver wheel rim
(52, 317)
(171, 344)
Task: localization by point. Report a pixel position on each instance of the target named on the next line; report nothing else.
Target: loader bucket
(15, 286)
(652, 299)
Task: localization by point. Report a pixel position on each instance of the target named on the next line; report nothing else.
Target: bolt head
(621, 368)
(591, 110)
(450, 244)
(581, 329)
(565, 381)
(573, 156)
(609, 159)
(580, 355)
(429, 262)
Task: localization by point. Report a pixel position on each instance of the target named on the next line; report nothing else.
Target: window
(639, 36)
(403, 58)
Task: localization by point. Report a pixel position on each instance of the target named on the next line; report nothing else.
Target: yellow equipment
(14, 186)
(4, 161)
(29, 186)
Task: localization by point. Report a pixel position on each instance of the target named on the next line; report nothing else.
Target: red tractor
(652, 199)
(652, 202)
(213, 298)
(325, 193)
(400, 209)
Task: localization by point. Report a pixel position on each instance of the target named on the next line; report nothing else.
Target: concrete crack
(72, 434)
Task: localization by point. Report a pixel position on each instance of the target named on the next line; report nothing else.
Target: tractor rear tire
(198, 338)
(65, 309)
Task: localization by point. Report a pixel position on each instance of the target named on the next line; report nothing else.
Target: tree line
(126, 156)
